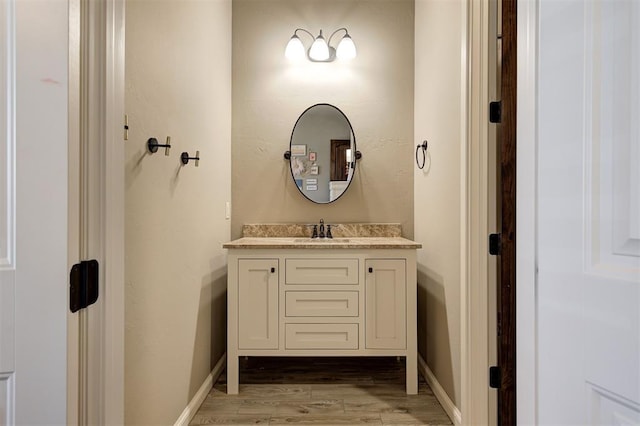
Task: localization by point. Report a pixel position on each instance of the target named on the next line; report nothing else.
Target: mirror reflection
(323, 149)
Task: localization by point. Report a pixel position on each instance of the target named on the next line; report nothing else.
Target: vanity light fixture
(321, 49)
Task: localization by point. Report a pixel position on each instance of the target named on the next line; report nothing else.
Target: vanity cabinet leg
(412, 374)
(232, 375)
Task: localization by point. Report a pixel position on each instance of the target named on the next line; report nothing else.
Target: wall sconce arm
(346, 33)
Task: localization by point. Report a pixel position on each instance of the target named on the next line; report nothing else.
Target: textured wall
(439, 112)
(178, 83)
(375, 91)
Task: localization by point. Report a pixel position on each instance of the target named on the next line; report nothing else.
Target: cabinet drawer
(321, 303)
(321, 336)
(321, 271)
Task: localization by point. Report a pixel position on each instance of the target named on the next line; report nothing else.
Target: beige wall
(178, 83)
(375, 91)
(439, 109)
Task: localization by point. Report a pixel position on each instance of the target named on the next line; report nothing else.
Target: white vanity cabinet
(321, 302)
(386, 303)
(257, 303)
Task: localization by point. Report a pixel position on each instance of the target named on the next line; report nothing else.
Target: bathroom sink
(321, 240)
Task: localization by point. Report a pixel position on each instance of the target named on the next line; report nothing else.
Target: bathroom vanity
(353, 295)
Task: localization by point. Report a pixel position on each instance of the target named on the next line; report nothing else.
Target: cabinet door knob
(273, 270)
(370, 270)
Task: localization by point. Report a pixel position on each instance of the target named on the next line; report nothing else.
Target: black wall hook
(422, 148)
(153, 145)
(185, 158)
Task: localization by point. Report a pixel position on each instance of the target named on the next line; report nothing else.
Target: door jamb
(113, 213)
(478, 278)
(105, 208)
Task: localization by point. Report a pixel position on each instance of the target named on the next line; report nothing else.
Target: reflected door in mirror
(339, 165)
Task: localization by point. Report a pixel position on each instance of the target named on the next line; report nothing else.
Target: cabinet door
(258, 303)
(385, 304)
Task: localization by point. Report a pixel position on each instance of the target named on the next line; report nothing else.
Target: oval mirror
(323, 153)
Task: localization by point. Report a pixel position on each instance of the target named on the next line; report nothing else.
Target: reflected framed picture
(298, 150)
(313, 170)
(312, 156)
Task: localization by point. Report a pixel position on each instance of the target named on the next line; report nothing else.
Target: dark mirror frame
(356, 154)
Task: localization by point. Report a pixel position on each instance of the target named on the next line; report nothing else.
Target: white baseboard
(449, 407)
(198, 398)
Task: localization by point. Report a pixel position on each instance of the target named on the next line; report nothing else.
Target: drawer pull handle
(370, 270)
(273, 270)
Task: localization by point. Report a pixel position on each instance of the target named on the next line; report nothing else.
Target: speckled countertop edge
(335, 243)
(345, 236)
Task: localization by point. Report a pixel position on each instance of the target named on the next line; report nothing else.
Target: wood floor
(321, 391)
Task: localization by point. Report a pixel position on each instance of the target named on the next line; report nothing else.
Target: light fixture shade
(346, 48)
(319, 49)
(295, 48)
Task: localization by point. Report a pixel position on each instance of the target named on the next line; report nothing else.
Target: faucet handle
(315, 231)
(329, 231)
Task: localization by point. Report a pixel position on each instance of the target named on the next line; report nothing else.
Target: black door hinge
(495, 244)
(495, 377)
(83, 285)
(495, 112)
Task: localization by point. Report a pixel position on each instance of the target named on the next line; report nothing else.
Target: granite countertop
(322, 243)
(345, 236)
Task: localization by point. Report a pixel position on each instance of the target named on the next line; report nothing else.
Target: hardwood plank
(415, 419)
(314, 407)
(327, 420)
(229, 419)
(364, 390)
(291, 407)
(393, 405)
(264, 391)
(258, 406)
(219, 406)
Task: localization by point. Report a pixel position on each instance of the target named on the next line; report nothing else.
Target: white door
(33, 212)
(587, 305)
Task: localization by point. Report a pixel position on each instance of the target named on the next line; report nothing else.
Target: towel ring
(421, 148)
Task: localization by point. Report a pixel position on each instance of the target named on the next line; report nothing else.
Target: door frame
(96, 209)
(113, 214)
(478, 274)
(507, 287)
